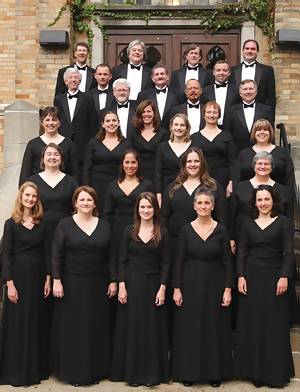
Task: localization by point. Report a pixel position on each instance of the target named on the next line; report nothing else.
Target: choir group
(153, 218)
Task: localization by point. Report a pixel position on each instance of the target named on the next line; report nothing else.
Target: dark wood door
(167, 46)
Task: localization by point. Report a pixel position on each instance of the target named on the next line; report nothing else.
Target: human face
(130, 165)
(29, 197)
(160, 77)
(203, 205)
(193, 57)
(103, 76)
(221, 72)
(211, 115)
(263, 167)
(85, 203)
(148, 115)
(136, 54)
(178, 128)
(264, 202)
(52, 158)
(248, 92)
(250, 52)
(193, 164)
(262, 135)
(73, 81)
(146, 210)
(50, 124)
(111, 123)
(81, 55)
(121, 93)
(193, 90)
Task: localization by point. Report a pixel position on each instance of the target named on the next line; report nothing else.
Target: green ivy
(225, 17)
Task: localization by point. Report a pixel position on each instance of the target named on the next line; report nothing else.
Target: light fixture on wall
(288, 37)
(54, 38)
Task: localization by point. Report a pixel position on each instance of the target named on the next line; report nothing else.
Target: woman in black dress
(56, 187)
(23, 329)
(217, 147)
(203, 278)
(103, 156)
(262, 136)
(49, 134)
(169, 153)
(141, 340)
(147, 136)
(83, 282)
(264, 263)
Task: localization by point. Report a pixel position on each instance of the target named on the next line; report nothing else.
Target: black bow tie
(81, 68)
(70, 96)
(163, 90)
(192, 68)
(103, 91)
(138, 67)
(250, 105)
(196, 106)
(221, 85)
(123, 105)
(249, 65)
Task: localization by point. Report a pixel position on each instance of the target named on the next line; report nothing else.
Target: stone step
(295, 343)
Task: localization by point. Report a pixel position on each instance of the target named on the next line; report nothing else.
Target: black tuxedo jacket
(232, 97)
(84, 124)
(178, 77)
(61, 88)
(183, 109)
(120, 71)
(132, 106)
(236, 123)
(265, 79)
(109, 99)
(174, 98)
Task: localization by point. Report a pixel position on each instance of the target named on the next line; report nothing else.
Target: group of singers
(174, 223)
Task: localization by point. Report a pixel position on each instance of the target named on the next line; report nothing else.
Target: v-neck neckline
(108, 149)
(178, 156)
(89, 235)
(198, 235)
(210, 141)
(266, 227)
(127, 195)
(52, 187)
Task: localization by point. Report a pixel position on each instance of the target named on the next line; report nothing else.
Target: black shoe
(257, 384)
(215, 383)
(76, 384)
(187, 383)
(133, 384)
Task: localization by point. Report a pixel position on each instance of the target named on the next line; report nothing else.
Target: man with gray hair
(136, 72)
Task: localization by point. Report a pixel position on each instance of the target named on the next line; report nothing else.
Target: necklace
(210, 227)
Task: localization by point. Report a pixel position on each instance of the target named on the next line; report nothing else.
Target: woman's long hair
(36, 211)
(203, 175)
(156, 217)
(100, 136)
(91, 191)
(276, 209)
(138, 118)
(137, 157)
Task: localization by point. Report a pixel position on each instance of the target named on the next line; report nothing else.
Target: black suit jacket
(265, 79)
(174, 97)
(109, 99)
(178, 77)
(61, 88)
(84, 123)
(236, 123)
(232, 97)
(120, 71)
(132, 106)
(183, 109)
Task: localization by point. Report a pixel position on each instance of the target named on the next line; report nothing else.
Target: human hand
(242, 285)
(58, 290)
(177, 297)
(12, 292)
(226, 297)
(47, 287)
(233, 247)
(282, 286)
(112, 289)
(229, 188)
(160, 296)
(122, 295)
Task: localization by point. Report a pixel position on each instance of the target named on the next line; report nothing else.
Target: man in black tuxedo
(163, 97)
(192, 108)
(102, 94)
(263, 74)
(241, 116)
(78, 118)
(192, 69)
(81, 53)
(137, 73)
(222, 91)
(121, 105)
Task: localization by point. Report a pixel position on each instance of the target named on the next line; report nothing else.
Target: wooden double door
(167, 46)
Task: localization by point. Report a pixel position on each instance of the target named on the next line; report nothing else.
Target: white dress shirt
(72, 103)
(248, 72)
(123, 117)
(249, 115)
(134, 77)
(161, 100)
(191, 74)
(102, 97)
(83, 77)
(194, 116)
(220, 94)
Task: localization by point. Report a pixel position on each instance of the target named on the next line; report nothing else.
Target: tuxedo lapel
(241, 115)
(78, 104)
(169, 101)
(66, 108)
(258, 73)
(181, 78)
(238, 74)
(89, 79)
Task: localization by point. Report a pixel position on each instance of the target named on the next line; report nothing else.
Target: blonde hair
(37, 209)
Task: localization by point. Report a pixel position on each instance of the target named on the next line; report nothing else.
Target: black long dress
(81, 330)
(263, 350)
(56, 201)
(32, 158)
(141, 336)
(101, 167)
(147, 150)
(23, 330)
(219, 154)
(202, 349)
(167, 165)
